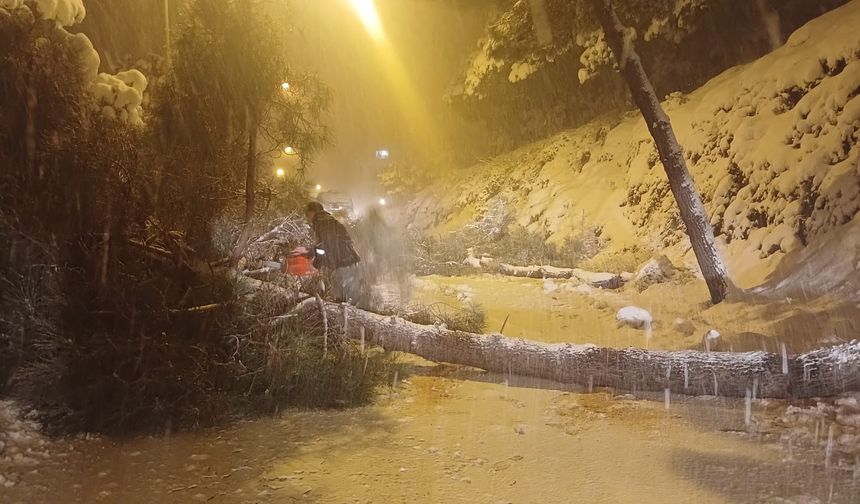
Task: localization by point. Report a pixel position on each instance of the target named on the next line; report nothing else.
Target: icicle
(755, 388)
(345, 320)
(784, 358)
(828, 452)
(806, 371)
(748, 408)
(394, 383)
(667, 398)
(590, 383)
(361, 330)
(686, 377)
(716, 385)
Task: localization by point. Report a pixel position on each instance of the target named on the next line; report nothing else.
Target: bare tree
(689, 202)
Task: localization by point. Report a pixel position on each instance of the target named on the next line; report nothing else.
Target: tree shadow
(228, 463)
(745, 479)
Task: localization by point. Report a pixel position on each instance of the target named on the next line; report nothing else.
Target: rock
(601, 280)
(712, 341)
(626, 276)
(656, 270)
(520, 429)
(684, 326)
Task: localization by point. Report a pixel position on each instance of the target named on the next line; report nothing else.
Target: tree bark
(250, 196)
(672, 156)
(823, 372)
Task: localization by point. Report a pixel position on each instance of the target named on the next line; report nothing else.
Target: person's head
(312, 209)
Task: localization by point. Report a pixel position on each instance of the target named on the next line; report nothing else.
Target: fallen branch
(594, 279)
(823, 372)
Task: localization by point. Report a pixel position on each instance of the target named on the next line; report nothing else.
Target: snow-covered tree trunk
(671, 154)
(822, 372)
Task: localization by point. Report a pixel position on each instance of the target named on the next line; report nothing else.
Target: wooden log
(594, 279)
(824, 372)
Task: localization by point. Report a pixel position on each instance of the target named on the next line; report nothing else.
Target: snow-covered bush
(117, 96)
(120, 96)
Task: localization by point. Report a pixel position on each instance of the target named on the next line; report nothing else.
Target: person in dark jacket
(335, 255)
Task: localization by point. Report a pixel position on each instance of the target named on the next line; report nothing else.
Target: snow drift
(771, 145)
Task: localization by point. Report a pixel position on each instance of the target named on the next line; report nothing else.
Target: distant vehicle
(337, 204)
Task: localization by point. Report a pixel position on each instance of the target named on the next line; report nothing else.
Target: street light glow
(288, 150)
(319, 187)
(366, 10)
(382, 202)
(280, 172)
(285, 86)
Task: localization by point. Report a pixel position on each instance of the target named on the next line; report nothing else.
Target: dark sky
(429, 38)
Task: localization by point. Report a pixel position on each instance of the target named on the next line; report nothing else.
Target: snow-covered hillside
(772, 146)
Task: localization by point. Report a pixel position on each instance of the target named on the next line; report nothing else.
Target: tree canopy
(541, 65)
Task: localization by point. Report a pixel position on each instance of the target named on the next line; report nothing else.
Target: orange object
(299, 265)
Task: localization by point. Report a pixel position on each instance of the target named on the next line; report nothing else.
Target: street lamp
(288, 150)
(382, 202)
(280, 173)
(319, 187)
(366, 10)
(285, 86)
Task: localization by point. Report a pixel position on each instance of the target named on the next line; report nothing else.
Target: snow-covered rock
(549, 285)
(635, 317)
(712, 340)
(655, 270)
(600, 280)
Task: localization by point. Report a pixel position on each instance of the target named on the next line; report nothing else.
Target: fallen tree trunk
(594, 279)
(823, 372)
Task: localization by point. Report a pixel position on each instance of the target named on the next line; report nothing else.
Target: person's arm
(325, 235)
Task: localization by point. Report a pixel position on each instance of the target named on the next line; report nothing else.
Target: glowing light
(382, 202)
(280, 172)
(285, 86)
(288, 150)
(319, 187)
(382, 154)
(366, 10)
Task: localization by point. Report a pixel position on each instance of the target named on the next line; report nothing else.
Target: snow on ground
(22, 447)
(772, 146)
